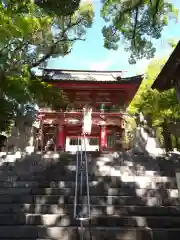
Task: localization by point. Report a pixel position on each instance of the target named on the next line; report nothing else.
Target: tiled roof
(169, 75)
(104, 76)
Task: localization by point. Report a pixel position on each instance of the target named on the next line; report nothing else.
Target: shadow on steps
(37, 196)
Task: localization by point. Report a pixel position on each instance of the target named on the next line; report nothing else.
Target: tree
(161, 107)
(153, 103)
(30, 35)
(136, 23)
(58, 7)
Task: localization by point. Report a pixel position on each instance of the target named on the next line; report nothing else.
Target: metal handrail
(87, 179)
(76, 181)
(81, 172)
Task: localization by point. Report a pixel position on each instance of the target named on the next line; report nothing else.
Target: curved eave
(129, 80)
(170, 72)
(49, 70)
(120, 90)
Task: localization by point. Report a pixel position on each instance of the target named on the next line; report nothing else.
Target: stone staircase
(133, 197)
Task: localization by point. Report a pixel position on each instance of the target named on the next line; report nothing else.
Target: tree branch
(135, 27)
(51, 50)
(2, 49)
(156, 11)
(150, 2)
(129, 9)
(53, 46)
(20, 46)
(6, 46)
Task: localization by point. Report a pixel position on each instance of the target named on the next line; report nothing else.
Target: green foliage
(172, 42)
(59, 7)
(30, 35)
(136, 23)
(130, 127)
(157, 105)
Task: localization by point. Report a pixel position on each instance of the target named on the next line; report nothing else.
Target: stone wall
(22, 136)
(145, 140)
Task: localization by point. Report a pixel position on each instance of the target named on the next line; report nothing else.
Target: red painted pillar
(103, 137)
(42, 135)
(60, 138)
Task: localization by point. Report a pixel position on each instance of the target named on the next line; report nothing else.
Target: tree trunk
(167, 137)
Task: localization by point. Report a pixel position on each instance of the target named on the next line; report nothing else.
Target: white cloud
(140, 67)
(111, 59)
(100, 65)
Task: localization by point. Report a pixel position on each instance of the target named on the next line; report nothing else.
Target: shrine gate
(105, 94)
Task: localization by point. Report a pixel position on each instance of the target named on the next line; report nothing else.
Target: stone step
(106, 160)
(109, 182)
(60, 220)
(63, 180)
(104, 233)
(150, 163)
(97, 200)
(136, 167)
(60, 184)
(95, 209)
(108, 168)
(98, 190)
(110, 160)
(165, 168)
(67, 156)
(67, 175)
(97, 171)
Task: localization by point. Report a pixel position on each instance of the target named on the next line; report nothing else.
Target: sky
(91, 55)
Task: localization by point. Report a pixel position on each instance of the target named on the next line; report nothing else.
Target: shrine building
(106, 93)
(169, 75)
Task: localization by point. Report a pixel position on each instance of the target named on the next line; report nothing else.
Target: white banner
(87, 121)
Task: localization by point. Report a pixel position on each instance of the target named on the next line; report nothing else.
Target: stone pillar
(103, 137)
(60, 138)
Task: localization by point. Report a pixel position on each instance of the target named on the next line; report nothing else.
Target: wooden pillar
(167, 136)
(60, 138)
(103, 137)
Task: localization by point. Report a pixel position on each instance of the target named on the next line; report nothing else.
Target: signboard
(87, 121)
